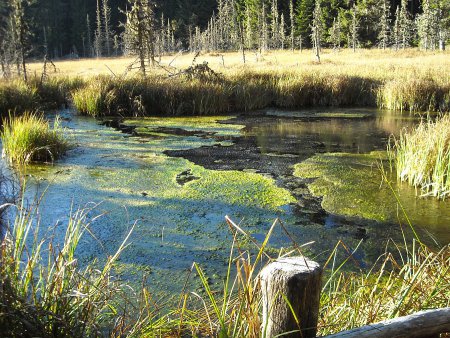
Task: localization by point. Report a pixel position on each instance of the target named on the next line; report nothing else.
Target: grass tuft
(422, 157)
(30, 138)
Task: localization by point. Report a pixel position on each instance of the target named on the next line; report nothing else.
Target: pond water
(177, 178)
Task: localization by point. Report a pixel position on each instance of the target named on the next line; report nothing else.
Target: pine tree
(274, 26)
(354, 28)
(396, 30)
(139, 32)
(98, 40)
(19, 33)
(316, 29)
(405, 24)
(335, 34)
(107, 32)
(282, 31)
(292, 24)
(428, 26)
(383, 35)
(89, 37)
(304, 19)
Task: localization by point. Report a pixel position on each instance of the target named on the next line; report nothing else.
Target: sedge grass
(422, 157)
(30, 138)
(43, 291)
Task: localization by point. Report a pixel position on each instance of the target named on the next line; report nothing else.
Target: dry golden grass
(368, 63)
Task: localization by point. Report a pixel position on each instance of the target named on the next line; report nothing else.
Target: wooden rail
(291, 295)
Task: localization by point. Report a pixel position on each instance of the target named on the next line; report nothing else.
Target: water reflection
(306, 132)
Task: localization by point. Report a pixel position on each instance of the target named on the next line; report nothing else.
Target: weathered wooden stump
(291, 295)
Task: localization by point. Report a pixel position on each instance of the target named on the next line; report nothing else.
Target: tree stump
(291, 295)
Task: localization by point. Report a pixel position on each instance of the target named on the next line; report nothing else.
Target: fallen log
(422, 324)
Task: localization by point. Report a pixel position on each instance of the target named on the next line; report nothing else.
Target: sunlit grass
(422, 157)
(46, 291)
(30, 138)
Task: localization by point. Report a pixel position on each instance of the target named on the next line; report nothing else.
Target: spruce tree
(383, 35)
(98, 40)
(354, 28)
(316, 29)
(292, 24)
(304, 19)
(405, 25)
(107, 32)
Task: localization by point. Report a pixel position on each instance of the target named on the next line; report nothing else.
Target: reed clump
(421, 157)
(414, 95)
(241, 91)
(45, 293)
(17, 97)
(30, 138)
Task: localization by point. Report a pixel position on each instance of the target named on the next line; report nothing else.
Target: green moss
(311, 113)
(208, 124)
(133, 179)
(352, 185)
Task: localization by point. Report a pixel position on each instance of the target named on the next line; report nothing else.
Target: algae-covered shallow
(362, 186)
(133, 180)
(247, 173)
(208, 125)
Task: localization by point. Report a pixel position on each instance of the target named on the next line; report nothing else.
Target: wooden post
(291, 295)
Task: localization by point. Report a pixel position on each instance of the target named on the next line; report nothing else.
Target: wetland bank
(176, 179)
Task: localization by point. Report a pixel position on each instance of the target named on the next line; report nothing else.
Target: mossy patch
(133, 180)
(352, 185)
(208, 124)
(322, 113)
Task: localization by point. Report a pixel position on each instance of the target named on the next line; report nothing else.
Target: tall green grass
(414, 95)
(422, 157)
(244, 91)
(44, 291)
(30, 138)
(18, 97)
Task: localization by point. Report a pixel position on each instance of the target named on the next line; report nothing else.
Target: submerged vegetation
(422, 157)
(30, 138)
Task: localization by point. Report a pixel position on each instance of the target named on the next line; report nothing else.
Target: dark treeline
(94, 28)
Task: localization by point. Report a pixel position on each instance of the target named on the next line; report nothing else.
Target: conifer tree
(316, 28)
(383, 35)
(139, 32)
(19, 36)
(107, 33)
(335, 34)
(89, 37)
(428, 26)
(292, 24)
(354, 28)
(98, 40)
(396, 29)
(304, 18)
(282, 31)
(405, 24)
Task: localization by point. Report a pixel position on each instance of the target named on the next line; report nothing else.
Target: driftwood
(291, 296)
(422, 324)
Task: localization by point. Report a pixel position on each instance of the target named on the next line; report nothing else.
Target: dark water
(241, 167)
